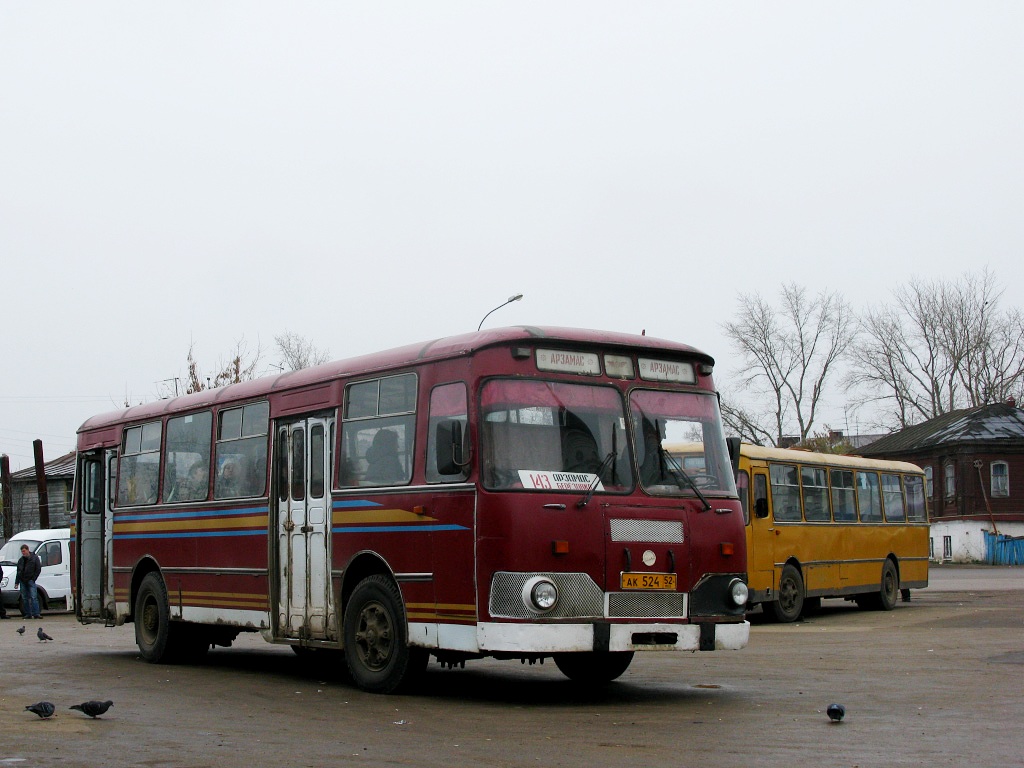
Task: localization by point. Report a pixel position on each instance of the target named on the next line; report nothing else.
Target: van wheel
(377, 649)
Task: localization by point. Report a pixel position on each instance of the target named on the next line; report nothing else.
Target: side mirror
(761, 507)
(448, 447)
(733, 443)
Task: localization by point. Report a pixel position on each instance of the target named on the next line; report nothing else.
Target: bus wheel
(790, 603)
(376, 649)
(885, 598)
(153, 619)
(593, 668)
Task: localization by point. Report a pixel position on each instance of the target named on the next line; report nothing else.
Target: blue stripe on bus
(393, 528)
(355, 504)
(191, 514)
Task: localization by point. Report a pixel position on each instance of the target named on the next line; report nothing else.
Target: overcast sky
(373, 174)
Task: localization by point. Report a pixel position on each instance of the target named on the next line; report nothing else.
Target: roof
(437, 349)
(999, 423)
(63, 466)
(799, 456)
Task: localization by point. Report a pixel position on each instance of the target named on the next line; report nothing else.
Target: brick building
(974, 464)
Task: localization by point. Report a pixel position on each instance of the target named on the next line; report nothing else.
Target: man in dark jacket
(29, 567)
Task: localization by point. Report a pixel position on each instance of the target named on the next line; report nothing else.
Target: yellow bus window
(815, 492)
(844, 498)
(785, 492)
(869, 500)
(892, 497)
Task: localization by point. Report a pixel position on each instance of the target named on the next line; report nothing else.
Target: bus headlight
(738, 592)
(540, 594)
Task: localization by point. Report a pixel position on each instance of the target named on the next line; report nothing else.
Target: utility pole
(44, 497)
(5, 488)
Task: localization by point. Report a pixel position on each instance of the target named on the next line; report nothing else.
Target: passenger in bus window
(146, 484)
(228, 481)
(195, 482)
(383, 466)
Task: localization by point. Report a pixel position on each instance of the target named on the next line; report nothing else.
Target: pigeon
(21, 630)
(835, 712)
(43, 637)
(93, 708)
(44, 709)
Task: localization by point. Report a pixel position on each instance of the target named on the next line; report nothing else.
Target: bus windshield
(549, 435)
(660, 417)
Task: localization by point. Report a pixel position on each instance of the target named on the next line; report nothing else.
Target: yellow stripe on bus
(257, 521)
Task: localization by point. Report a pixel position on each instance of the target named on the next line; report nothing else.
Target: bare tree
(940, 346)
(298, 352)
(745, 423)
(788, 353)
(239, 366)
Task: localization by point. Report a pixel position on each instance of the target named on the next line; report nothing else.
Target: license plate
(648, 581)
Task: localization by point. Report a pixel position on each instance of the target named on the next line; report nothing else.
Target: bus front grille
(578, 596)
(646, 605)
(649, 531)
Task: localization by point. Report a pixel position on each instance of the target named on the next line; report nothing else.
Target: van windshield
(11, 551)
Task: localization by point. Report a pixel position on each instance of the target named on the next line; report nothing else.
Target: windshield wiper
(585, 499)
(680, 476)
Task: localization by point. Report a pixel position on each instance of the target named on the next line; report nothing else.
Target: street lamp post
(517, 297)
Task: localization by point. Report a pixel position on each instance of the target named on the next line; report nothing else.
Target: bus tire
(790, 602)
(377, 651)
(593, 668)
(890, 590)
(153, 620)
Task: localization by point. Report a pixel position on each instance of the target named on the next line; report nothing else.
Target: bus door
(94, 533)
(761, 542)
(303, 471)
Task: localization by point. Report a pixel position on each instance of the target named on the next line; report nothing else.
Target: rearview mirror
(449, 445)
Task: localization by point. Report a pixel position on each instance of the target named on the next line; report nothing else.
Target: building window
(929, 489)
(947, 547)
(931, 548)
(949, 475)
(1000, 479)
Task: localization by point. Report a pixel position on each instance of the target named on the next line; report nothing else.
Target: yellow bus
(821, 525)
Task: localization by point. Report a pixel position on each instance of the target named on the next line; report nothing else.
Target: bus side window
(869, 499)
(760, 496)
(241, 460)
(447, 446)
(139, 468)
(844, 499)
(378, 431)
(815, 493)
(785, 492)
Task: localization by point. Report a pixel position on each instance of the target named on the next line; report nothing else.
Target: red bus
(502, 493)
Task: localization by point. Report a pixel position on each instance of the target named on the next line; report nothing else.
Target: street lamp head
(517, 297)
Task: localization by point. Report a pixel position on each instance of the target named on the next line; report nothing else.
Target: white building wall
(966, 539)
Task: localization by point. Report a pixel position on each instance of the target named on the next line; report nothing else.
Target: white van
(54, 582)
